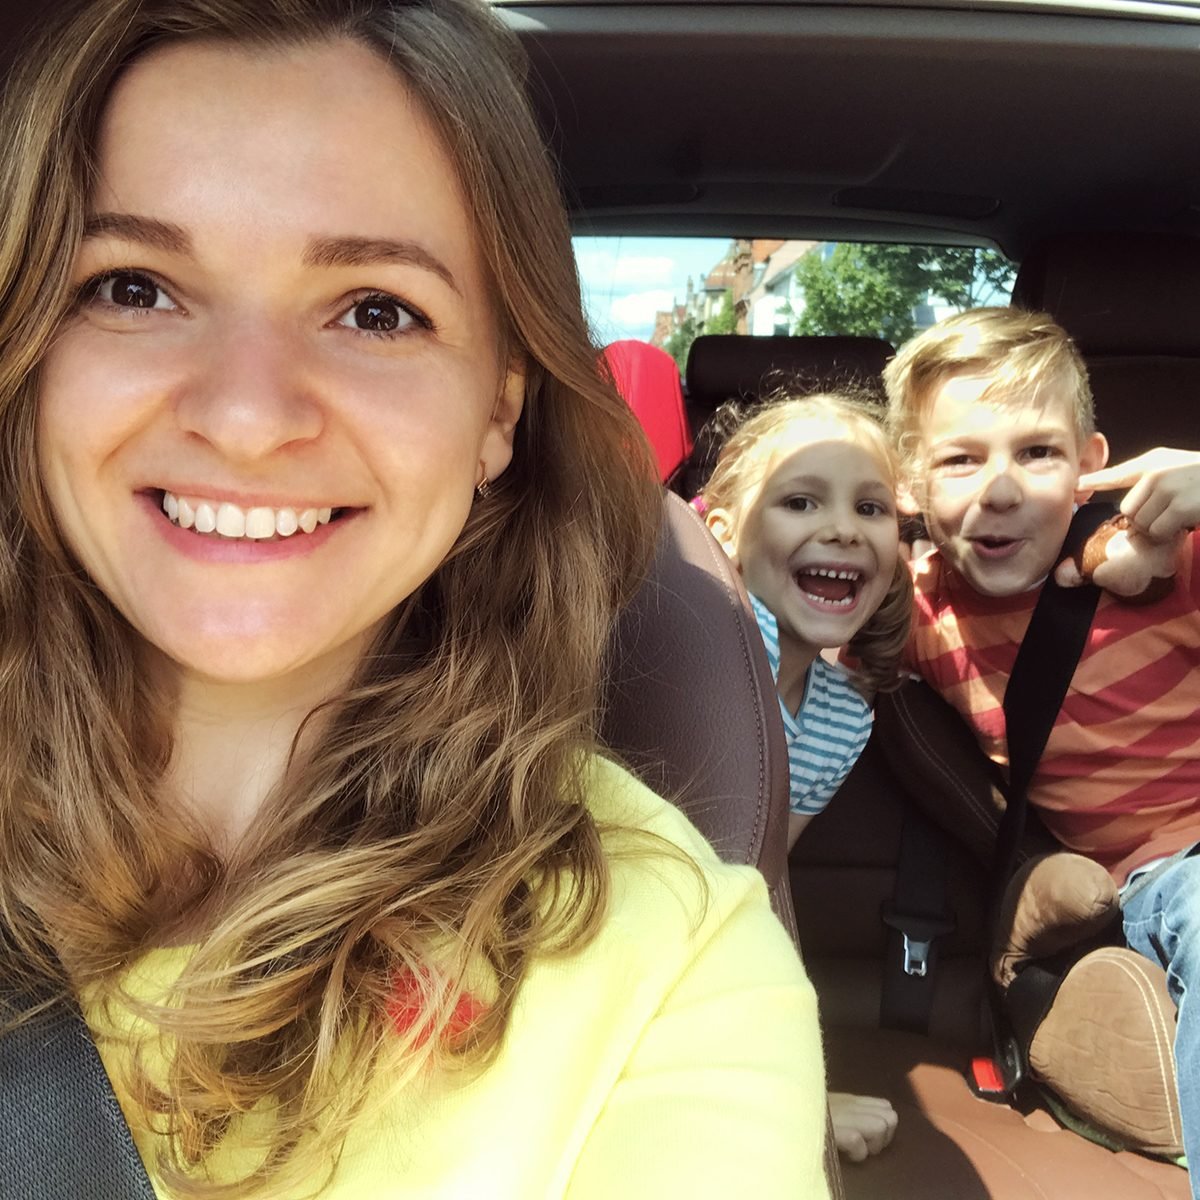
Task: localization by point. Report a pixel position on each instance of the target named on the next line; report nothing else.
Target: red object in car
(649, 380)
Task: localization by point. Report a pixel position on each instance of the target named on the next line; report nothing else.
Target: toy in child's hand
(1124, 562)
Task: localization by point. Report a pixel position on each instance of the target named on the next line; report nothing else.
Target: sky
(626, 280)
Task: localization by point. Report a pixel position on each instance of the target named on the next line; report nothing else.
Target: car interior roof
(995, 126)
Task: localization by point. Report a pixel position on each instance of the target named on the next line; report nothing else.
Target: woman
(318, 517)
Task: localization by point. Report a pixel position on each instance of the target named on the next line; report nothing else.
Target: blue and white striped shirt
(829, 731)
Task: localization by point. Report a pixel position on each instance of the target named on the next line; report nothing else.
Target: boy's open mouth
(996, 547)
(829, 586)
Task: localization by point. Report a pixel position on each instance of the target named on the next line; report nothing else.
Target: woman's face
(283, 328)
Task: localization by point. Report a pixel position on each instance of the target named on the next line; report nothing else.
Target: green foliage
(724, 320)
(872, 289)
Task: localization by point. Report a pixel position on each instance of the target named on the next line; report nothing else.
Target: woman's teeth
(230, 521)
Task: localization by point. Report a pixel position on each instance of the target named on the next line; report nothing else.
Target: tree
(872, 289)
(679, 342)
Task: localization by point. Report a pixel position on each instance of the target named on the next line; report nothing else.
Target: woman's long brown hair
(438, 823)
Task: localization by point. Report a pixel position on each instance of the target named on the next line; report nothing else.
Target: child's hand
(862, 1125)
(1164, 491)
(1124, 562)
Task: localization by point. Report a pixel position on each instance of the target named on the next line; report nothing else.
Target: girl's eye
(873, 508)
(798, 504)
(382, 315)
(127, 289)
(955, 460)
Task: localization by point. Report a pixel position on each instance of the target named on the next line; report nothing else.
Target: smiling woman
(319, 513)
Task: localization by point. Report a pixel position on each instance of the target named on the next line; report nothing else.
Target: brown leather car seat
(691, 706)
(950, 1145)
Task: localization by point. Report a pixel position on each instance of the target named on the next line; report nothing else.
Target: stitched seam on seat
(990, 822)
(970, 1133)
(1161, 1038)
(758, 833)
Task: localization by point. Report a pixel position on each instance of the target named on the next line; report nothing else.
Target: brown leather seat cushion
(952, 1146)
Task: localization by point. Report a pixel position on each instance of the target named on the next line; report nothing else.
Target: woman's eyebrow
(363, 251)
(149, 231)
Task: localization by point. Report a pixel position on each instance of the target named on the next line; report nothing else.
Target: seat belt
(916, 916)
(1041, 677)
(62, 1132)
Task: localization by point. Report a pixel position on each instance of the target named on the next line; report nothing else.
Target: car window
(669, 290)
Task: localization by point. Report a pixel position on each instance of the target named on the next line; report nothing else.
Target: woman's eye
(379, 314)
(954, 460)
(128, 289)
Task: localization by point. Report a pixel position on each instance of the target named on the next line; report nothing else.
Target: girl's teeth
(228, 520)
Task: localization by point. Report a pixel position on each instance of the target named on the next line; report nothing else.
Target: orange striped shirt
(1120, 776)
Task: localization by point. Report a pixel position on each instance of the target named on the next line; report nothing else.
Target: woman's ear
(496, 452)
(721, 525)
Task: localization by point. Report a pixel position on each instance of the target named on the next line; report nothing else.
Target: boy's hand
(1124, 562)
(1164, 491)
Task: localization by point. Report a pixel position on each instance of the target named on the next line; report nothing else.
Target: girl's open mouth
(830, 588)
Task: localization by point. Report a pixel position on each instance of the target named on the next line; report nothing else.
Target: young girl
(316, 518)
(803, 500)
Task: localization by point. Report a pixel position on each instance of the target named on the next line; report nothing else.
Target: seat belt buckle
(986, 1081)
(916, 955)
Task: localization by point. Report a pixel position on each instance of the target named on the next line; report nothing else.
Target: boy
(993, 414)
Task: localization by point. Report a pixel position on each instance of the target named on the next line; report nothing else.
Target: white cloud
(630, 316)
(604, 272)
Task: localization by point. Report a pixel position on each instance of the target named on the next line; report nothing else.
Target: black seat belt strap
(1041, 676)
(62, 1132)
(917, 915)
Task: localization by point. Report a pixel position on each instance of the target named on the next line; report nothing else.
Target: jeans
(1162, 921)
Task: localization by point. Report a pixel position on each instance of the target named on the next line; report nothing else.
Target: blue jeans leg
(1162, 921)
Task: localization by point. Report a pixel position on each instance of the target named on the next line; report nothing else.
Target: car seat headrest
(1117, 293)
(724, 367)
(649, 380)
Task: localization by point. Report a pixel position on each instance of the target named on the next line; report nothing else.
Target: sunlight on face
(1000, 481)
(816, 539)
(284, 339)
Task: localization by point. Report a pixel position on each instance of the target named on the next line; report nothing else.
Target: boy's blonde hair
(742, 466)
(1022, 352)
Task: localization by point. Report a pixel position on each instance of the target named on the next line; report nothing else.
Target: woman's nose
(249, 397)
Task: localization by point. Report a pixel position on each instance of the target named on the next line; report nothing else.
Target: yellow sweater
(669, 1058)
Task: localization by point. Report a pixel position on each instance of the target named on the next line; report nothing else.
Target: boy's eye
(126, 289)
(954, 460)
(1040, 453)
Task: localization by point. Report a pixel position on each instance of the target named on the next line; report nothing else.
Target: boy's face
(1000, 481)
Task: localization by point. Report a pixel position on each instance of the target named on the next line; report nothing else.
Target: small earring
(483, 487)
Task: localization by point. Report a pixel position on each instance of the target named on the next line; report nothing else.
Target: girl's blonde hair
(744, 460)
(439, 825)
